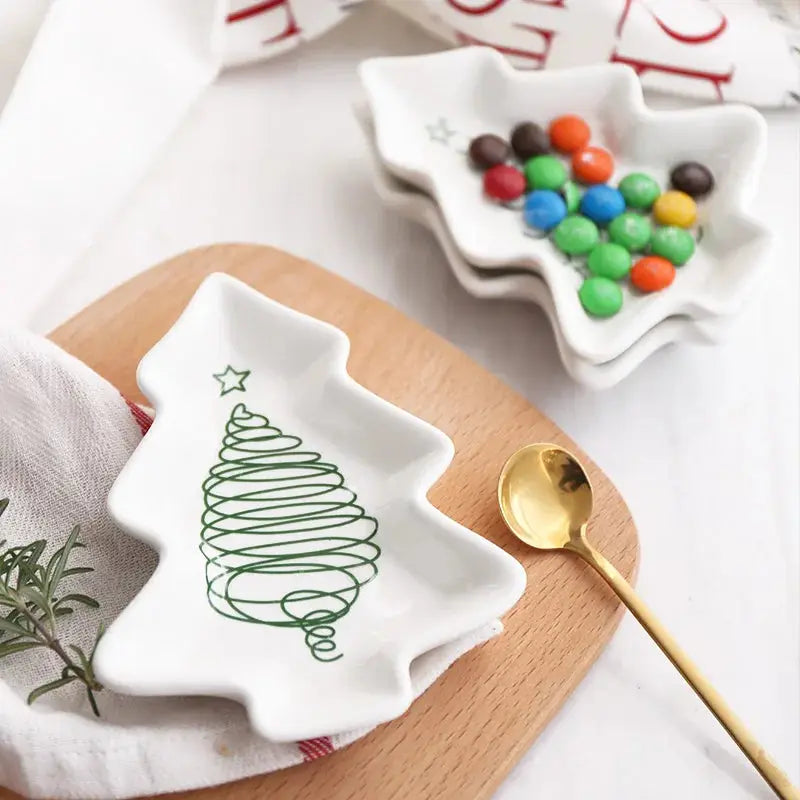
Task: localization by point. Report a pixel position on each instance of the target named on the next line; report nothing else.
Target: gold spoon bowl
(546, 500)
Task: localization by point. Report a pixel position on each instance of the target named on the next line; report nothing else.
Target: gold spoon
(546, 501)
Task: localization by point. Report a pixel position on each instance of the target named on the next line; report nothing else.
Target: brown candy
(692, 178)
(528, 140)
(488, 150)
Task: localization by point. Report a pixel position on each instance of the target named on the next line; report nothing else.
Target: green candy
(609, 260)
(630, 230)
(572, 196)
(673, 243)
(639, 190)
(576, 235)
(601, 297)
(545, 172)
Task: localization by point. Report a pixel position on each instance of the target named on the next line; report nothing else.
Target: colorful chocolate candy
(592, 165)
(572, 196)
(631, 230)
(572, 216)
(545, 172)
(602, 203)
(488, 150)
(692, 178)
(675, 208)
(544, 209)
(639, 190)
(652, 273)
(601, 297)
(503, 183)
(569, 133)
(609, 260)
(673, 243)
(528, 140)
(576, 235)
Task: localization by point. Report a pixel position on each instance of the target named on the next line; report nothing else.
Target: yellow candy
(675, 208)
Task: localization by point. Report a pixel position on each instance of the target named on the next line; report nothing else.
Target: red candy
(592, 165)
(504, 183)
(652, 273)
(569, 133)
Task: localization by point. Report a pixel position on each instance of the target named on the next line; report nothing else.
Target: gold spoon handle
(768, 769)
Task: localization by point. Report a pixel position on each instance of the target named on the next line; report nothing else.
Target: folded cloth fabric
(741, 50)
(65, 434)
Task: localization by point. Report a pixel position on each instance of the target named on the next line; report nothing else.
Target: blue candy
(544, 209)
(602, 203)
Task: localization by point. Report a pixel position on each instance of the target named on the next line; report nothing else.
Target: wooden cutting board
(460, 738)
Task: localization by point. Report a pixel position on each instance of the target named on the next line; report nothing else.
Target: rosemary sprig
(31, 602)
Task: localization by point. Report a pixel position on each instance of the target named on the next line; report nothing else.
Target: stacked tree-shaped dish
(423, 112)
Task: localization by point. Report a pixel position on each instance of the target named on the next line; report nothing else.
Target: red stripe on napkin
(143, 419)
(254, 10)
(315, 748)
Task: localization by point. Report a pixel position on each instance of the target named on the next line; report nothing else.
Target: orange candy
(592, 165)
(569, 133)
(652, 273)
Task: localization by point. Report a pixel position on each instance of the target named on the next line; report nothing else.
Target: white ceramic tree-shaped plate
(524, 285)
(426, 108)
(301, 567)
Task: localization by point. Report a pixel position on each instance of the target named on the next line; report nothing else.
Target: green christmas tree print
(285, 542)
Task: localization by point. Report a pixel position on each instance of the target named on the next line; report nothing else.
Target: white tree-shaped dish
(425, 109)
(526, 285)
(301, 567)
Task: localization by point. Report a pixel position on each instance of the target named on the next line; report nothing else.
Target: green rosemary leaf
(13, 620)
(50, 687)
(12, 628)
(85, 665)
(36, 599)
(7, 648)
(101, 629)
(27, 573)
(29, 589)
(76, 571)
(51, 564)
(33, 596)
(55, 560)
(14, 616)
(50, 568)
(92, 701)
(61, 562)
(34, 554)
(19, 557)
(77, 598)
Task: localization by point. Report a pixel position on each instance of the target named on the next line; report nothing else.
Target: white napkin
(65, 434)
(103, 87)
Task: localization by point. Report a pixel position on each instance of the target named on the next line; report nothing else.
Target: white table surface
(702, 442)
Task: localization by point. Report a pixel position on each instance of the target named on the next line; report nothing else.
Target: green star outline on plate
(440, 131)
(231, 380)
